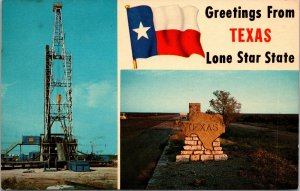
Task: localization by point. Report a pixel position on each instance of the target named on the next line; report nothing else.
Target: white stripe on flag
(175, 17)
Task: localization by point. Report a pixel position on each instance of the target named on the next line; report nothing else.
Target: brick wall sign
(201, 136)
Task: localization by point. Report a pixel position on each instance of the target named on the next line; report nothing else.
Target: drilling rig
(58, 147)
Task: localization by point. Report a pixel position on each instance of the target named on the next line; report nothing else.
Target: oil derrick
(58, 147)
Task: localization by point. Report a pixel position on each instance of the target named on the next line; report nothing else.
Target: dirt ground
(36, 179)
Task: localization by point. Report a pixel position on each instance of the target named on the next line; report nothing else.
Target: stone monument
(201, 132)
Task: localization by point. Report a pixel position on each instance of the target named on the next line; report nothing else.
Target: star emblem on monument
(141, 31)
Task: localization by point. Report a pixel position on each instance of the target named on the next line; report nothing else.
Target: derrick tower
(56, 147)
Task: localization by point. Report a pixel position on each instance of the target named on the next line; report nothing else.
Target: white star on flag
(142, 31)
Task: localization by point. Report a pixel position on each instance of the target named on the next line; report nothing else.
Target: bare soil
(37, 179)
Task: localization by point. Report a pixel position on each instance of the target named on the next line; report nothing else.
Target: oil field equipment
(58, 147)
(79, 166)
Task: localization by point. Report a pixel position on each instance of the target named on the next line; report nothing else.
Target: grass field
(285, 122)
(262, 150)
(270, 156)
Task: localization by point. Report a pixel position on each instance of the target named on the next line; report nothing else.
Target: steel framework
(58, 97)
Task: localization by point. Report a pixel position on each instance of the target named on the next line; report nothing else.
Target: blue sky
(90, 35)
(171, 91)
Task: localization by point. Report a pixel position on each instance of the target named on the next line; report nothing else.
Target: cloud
(92, 94)
(4, 88)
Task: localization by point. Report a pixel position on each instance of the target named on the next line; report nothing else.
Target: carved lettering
(207, 127)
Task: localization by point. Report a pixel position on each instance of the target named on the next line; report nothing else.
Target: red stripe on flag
(180, 43)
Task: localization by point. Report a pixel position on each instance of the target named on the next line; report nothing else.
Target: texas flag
(167, 30)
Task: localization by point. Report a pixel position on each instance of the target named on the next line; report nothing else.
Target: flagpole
(134, 64)
(133, 60)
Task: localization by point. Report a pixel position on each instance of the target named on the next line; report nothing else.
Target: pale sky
(172, 91)
(91, 37)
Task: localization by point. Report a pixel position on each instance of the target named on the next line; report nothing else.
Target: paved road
(142, 142)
